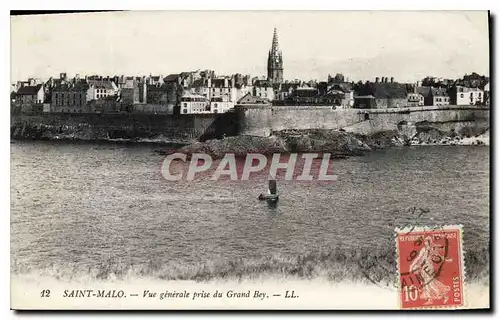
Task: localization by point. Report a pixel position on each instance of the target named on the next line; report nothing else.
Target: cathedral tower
(275, 62)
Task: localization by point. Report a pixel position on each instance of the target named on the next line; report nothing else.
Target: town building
(339, 95)
(415, 99)
(460, 95)
(285, 91)
(222, 89)
(101, 89)
(219, 105)
(487, 93)
(275, 62)
(365, 102)
(155, 80)
(387, 94)
(305, 95)
(31, 94)
(156, 94)
(209, 95)
(194, 104)
(439, 97)
(242, 85)
(263, 89)
(31, 98)
(133, 91)
(70, 97)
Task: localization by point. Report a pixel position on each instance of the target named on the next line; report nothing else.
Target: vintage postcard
(257, 160)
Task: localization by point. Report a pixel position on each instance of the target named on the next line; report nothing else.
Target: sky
(360, 44)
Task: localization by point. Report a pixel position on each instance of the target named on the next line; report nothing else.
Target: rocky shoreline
(436, 137)
(339, 144)
(83, 132)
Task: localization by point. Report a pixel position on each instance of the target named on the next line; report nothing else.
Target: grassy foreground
(334, 265)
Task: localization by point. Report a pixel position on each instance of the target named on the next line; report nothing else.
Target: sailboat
(272, 192)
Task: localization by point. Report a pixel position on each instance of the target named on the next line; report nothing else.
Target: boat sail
(272, 192)
(272, 187)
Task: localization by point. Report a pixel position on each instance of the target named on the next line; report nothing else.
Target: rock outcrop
(337, 143)
(85, 132)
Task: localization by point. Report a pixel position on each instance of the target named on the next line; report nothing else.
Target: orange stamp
(431, 269)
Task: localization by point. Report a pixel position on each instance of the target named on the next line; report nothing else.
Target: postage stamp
(431, 269)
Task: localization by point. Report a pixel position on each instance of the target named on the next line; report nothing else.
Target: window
(215, 105)
(185, 105)
(461, 95)
(185, 111)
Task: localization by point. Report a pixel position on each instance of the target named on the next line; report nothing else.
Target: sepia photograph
(250, 160)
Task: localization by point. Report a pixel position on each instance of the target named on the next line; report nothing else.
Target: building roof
(467, 89)
(440, 92)
(101, 84)
(220, 82)
(285, 87)
(425, 91)
(29, 90)
(192, 95)
(388, 90)
(79, 86)
(199, 83)
(344, 86)
(262, 83)
(250, 99)
(186, 74)
(171, 77)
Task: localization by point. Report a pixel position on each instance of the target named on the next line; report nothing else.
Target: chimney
(392, 79)
(377, 79)
(62, 76)
(385, 79)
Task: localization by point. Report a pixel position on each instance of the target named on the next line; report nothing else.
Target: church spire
(275, 46)
(275, 62)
